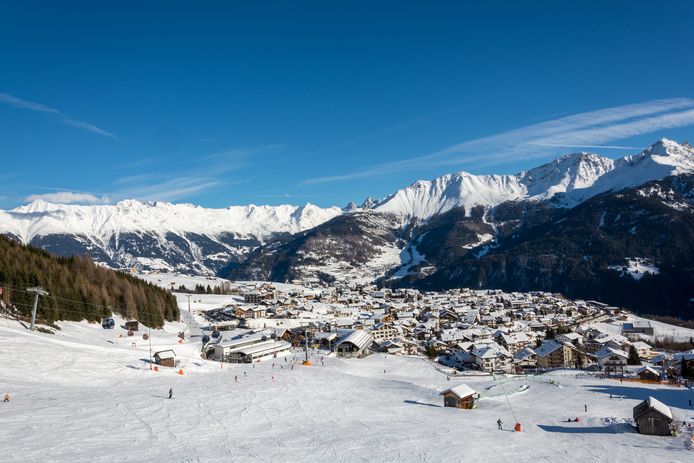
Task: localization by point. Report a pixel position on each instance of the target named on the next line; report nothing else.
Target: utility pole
(38, 291)
(149, 336)
(307, 362)
(188, 296)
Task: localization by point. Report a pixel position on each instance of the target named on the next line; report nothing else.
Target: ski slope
(87, 394)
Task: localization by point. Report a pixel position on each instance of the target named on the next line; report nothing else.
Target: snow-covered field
(87, 394)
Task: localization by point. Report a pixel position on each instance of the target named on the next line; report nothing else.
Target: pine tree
(634, 358)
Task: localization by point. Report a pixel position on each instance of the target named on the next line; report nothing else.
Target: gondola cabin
(460, 396)
(108, 323)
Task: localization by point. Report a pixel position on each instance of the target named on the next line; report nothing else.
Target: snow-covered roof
(654, 404)
(524, 353)
(547, 347)
(165, 354)
(359, 338)
(461, 391)
(647, 368)
(641, 345)
(607, 351)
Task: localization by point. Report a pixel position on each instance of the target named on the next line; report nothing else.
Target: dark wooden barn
(653, 417)
(132, 325)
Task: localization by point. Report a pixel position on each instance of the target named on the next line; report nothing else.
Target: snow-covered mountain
(197, 240)
(157, 235)
(568, 180)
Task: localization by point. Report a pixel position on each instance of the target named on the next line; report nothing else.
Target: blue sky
(223, 103)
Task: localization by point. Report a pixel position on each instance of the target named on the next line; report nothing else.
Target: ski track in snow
(78, 397)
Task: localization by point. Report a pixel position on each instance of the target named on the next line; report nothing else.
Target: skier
(171, 393)
(244, 373)
(585, 407)
(7, 397)
(236, 378)
(500, 424)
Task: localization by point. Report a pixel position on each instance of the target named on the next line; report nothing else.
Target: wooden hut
(653, 417)
(648, 373)
(166, 358)
(460, 396)
(132, 325)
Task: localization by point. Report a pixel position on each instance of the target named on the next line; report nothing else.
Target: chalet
(166, 358)
(612, 360)
(132, 325)
(554, 354)
(648, 373)
(573, 338)
(385, 332)
(653, 417)
(493, 358)
(525, 358)
(643, 349)
(460, 396)
(513, 342)
(255, 312)
(355, 344)
(391, 346)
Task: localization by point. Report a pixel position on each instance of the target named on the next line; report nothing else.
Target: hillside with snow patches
(196, 240)
(570, 180)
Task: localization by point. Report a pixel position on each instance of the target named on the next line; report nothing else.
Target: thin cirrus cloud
(590, 129)
(69, 197)
(204, 174)
(16, 102)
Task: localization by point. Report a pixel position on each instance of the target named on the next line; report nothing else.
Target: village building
(555, 354)
(460, 396)
(354, 344)
(525, 358)
(612, 360)
(259, 351)
(493, 359)
(653, 417)
(385, 331)
(648, 373)
(643, 349)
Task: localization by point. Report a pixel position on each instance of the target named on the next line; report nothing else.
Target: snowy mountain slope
(157, 235)
(196, 240)
(567, 180)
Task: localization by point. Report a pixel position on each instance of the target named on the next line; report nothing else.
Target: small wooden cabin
(460, 396)
(648, 373)
(132, 325)
(653, 417)
(165, 358)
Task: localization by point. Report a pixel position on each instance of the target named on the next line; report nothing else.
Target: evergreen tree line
(223, 288)
(78, 288)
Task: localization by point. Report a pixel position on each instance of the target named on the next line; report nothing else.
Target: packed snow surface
(87, 394)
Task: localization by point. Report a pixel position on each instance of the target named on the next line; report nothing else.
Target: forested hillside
(78, 289)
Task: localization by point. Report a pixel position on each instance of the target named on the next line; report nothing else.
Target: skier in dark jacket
(500, 424)
(171, 393)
